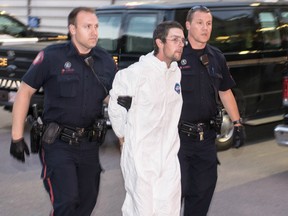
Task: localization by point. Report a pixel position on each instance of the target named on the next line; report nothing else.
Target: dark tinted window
(284, 27)
(10, 26)
(109, 28)
(269, 30)
(233, 30)
(180, 16)
(139, 33)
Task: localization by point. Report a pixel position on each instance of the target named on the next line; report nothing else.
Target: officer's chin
(92, 43)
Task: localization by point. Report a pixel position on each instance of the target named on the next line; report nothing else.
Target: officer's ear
(72, 29)
(188, 25)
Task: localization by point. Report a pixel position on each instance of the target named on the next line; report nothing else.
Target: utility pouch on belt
(188, 128)
(51, 132)
(99, 131)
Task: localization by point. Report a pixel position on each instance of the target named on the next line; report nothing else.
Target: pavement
(253, 180)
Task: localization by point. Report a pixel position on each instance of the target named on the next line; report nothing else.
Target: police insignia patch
(67, 65)
(177, 88)
(183, 62)
(39, 58)
(67, 68)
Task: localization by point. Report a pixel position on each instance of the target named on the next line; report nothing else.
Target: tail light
(285, 91)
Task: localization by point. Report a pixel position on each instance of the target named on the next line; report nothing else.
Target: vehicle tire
(224, 140)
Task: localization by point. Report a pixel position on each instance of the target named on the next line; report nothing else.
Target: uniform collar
(188, 49)
(72, 51)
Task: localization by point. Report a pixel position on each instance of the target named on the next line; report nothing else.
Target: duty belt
(194, 129)
(73, 135)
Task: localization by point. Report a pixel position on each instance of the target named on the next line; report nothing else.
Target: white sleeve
(117, 114)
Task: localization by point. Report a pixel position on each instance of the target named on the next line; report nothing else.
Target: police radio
(204, 60)
(90, 62)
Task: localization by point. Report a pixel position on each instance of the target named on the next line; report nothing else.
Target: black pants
(198, 161)
(71, 176)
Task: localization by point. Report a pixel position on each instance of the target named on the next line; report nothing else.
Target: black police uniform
(73, 97)
(197, 154)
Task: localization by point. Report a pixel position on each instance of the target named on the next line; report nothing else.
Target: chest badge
(67, 68)
(183, 61)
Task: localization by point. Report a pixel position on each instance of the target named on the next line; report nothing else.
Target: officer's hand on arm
(239, 135)
(18, 148)
(125, 101)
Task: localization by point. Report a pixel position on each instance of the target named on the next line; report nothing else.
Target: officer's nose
(94, 31)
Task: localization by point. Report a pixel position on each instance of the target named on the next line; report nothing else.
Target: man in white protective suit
(144, 110)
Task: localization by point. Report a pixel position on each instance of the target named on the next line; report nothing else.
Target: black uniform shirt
(197, 84)
(72, 94)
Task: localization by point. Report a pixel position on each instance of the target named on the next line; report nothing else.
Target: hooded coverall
(149, 159)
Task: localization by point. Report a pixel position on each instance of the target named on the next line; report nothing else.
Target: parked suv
(252, 36)
(281, 130)
(13, 31)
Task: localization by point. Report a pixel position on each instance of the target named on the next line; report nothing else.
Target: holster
(35, 137)
(36, 129)
(217, 121)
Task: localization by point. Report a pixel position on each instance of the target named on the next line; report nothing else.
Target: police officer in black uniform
(76, 77)
(204, 76)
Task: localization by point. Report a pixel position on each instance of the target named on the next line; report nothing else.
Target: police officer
(204, 76)
(76, 77)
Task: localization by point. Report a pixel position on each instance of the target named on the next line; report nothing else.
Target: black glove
(125, 101)
(17, 149)
(239, 136)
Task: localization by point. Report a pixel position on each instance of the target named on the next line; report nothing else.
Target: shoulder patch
(39, 58)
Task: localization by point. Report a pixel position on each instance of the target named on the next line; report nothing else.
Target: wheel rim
(226, 129)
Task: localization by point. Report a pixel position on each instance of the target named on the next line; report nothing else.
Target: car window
(284, 28)
(233, 30)
(139, 33)
(269, 29)
(10, 26)
(109, 28)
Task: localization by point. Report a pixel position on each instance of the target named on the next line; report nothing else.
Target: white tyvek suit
(149, 159)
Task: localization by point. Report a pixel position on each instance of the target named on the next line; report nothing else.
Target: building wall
(53, 13)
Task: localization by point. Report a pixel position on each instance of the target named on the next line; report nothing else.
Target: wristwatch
(239, 121)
